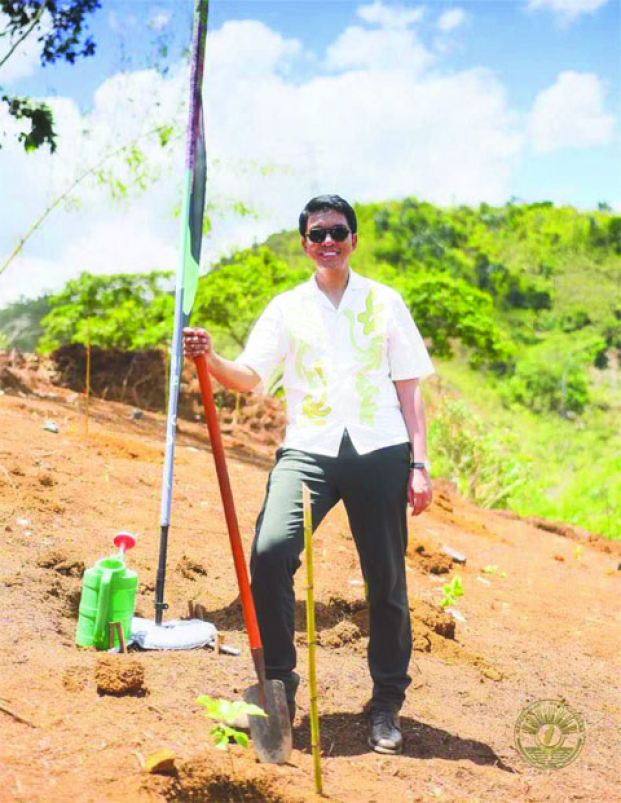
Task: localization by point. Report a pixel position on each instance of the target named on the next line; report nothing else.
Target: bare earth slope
(550, 628)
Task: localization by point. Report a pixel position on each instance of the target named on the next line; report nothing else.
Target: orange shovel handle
(211, 416)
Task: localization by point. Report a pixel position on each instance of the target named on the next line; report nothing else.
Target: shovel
(271, 735)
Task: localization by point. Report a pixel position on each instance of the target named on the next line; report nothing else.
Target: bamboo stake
(88, 375)
(310, 627)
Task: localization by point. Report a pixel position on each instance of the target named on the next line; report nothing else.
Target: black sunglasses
(338, 233)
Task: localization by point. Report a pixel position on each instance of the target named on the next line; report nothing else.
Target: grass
(570, 469)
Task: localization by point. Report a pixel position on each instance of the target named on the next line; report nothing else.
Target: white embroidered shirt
(339, 363)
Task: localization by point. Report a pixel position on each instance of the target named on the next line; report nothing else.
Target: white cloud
(159, 19)
(379, 128)
(379, 49)
(250, 50)
(567, 10)
(570, 114)
(393, 16)
(451, 19)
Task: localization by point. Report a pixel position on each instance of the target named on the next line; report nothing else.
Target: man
(353, 359)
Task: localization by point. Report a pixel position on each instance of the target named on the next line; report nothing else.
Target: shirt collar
(354, 285)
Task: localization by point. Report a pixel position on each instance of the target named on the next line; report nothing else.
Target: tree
(234, 294)
(449, 309)
(124, 311)
(59, 28)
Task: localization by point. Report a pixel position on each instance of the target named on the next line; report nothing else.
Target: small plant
(493, 569)
(578, 552)
(451, 591)
(226, 714)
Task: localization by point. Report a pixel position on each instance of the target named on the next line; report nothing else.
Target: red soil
(550, 628)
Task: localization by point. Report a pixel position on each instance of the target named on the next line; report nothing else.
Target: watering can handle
(102, 605)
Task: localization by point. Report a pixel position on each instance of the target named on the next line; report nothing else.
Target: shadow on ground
(347, 734)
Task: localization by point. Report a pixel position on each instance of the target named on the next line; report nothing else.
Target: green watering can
(108, 595)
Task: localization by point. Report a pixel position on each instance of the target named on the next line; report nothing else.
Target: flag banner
(192, 212)
(196, 166)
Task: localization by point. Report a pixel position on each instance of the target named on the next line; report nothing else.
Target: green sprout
(451, 591)
(226, 715)
(493, 569)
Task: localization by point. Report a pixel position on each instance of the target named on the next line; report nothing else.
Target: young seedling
(493, 569)
(226, 714)
(451, 591)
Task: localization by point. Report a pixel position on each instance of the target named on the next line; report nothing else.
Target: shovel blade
(271, 735)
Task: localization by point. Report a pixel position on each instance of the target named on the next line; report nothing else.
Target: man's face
(329, 253)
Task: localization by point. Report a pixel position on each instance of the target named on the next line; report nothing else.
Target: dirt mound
(76, 678)
(61, 563)
(9, 380)
(220, 779)
(133, 377)
(342, 634)
(429, 558)
(119, 675)
(190, 568)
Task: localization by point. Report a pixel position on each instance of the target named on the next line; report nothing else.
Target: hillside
(545, 629)
(521, 309)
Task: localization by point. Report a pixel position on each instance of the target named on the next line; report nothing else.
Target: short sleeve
(407, 354)
(265, 348)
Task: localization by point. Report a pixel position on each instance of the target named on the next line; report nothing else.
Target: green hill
(520, 306)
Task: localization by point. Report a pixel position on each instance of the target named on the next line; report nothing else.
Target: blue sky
(456, 102)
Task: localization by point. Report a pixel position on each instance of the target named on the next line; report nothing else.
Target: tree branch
(35, 21)
(57, 201)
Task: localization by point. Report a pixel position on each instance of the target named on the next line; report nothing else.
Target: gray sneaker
(385, 734)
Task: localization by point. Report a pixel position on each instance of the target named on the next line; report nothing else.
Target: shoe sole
(386, 751)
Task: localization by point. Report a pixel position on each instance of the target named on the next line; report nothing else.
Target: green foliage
(477, 458)
(226, 713)
(504, 284)
(41, 122)
(452, 591)
(448, 309)
(125, 311)
(234, 294)
(20, 323)
(552, 376)
(59, 28)
(569, 468)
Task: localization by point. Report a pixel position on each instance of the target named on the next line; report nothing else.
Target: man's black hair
(322, 203)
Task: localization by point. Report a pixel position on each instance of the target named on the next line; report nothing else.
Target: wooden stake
(118, 627)
(121, 635)
(310, 628)
(88, 374)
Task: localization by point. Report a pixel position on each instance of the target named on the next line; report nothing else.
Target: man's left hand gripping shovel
(271, 735)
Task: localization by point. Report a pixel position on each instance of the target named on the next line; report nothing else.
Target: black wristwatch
(420, 464)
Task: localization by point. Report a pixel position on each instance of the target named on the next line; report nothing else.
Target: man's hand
(419, 490)
(196, 343)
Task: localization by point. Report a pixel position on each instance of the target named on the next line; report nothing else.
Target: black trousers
(373, 488)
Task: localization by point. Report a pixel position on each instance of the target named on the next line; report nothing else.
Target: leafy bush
(551, 376)
(125, 311)
(478, 459)
(448, 309)
(548, 387)
(235, 293)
